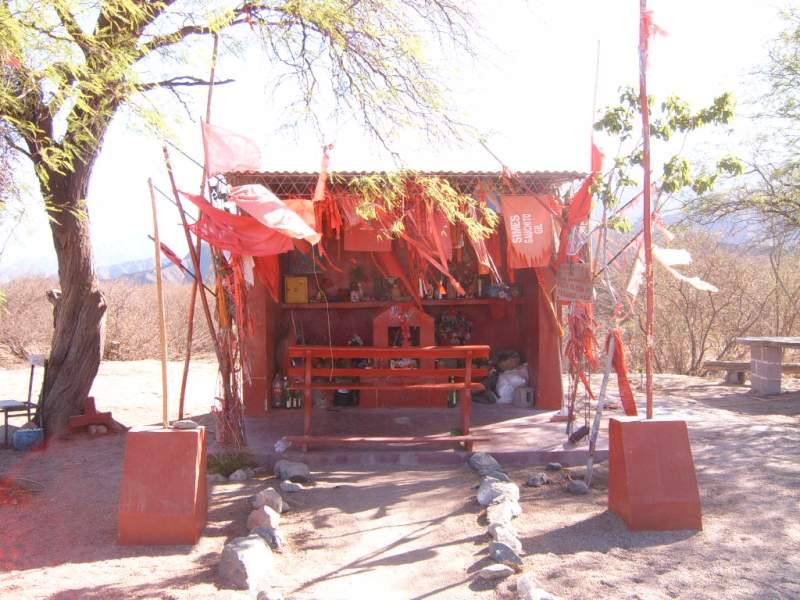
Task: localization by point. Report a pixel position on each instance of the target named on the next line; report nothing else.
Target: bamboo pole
(199, 248)
(162, 324)
(648, 237)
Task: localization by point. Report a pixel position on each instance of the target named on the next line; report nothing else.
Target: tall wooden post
(198, 277)
(162, 324)
(644, 34)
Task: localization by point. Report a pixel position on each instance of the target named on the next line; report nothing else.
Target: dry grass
(26, 322)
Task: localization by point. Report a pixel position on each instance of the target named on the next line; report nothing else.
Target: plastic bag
(509, 381)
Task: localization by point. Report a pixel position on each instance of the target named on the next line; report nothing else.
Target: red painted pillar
(549, 388)
(256, 352)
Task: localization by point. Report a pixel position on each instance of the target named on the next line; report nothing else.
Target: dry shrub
(26, 321)
(132, 321)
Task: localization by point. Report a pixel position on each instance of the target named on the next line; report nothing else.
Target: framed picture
(295, 289)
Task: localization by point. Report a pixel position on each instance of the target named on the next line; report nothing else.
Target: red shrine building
(360, 287)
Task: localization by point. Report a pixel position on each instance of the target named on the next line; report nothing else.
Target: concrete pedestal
(163, 498)
(651, 479)
(765, 368)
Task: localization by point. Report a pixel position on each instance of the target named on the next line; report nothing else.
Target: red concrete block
(164, 497)
(651, 479)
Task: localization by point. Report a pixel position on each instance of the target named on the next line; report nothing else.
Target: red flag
(228, 152)
(267, 208)
(529, 228)
(236, 233)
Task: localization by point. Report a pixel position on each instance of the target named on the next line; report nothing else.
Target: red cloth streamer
(235, 233)
(267, 269)
(652, 31)
(529, 228)
(228, 152)
(621, 369)
(581, 204)
(171, 255)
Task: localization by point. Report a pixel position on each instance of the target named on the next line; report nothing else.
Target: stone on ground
(505, 536)
(537, 480)
(263, 517)
(494, 528)
(497, 475)
(216, 478)
(577, 487)
(273, 537)
(553, 466)
(292, 471)
(291, 487)
(528, 589)
(269, 595)
(185, 424)
(483, 463)
(492, 490)
(268, 497)
(501, 513)
(246, 563)
(505, 555)
(242, 474)
(494, 572)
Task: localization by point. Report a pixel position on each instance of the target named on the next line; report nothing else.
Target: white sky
(531, 90)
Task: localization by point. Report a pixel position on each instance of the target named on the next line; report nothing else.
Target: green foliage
(669, 118)
(67, 66)
(384, 198)
(226, 463)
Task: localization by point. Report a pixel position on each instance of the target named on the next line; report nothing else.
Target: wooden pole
(598, 413)
(199, 248)
(162, 323)
(648, 231)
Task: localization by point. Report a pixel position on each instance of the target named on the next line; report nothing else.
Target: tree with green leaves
(673, 121)
(68, 66)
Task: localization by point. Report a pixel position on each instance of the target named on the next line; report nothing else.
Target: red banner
(529, 228)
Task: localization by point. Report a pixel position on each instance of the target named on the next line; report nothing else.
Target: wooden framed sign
(574, 282)
(295, 289)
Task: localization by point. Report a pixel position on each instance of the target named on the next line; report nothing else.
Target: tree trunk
(77, 345)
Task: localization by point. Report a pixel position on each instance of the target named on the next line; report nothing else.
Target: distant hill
(143, 270)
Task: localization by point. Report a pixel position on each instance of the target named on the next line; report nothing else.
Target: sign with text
(574, 282)
(529, 228)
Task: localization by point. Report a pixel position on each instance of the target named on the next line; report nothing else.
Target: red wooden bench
(308, 377)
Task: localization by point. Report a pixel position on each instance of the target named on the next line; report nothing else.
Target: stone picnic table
(766, 356)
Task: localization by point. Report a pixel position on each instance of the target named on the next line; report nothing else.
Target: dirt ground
(414, 534)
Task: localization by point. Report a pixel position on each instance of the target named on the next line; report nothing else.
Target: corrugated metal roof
(301, 183)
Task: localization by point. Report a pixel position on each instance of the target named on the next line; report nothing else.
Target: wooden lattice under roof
(293, 184)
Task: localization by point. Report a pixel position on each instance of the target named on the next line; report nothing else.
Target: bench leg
(466, 409)
(306, 416)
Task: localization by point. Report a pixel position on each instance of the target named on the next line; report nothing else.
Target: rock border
(247, 562)
(500, 496)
